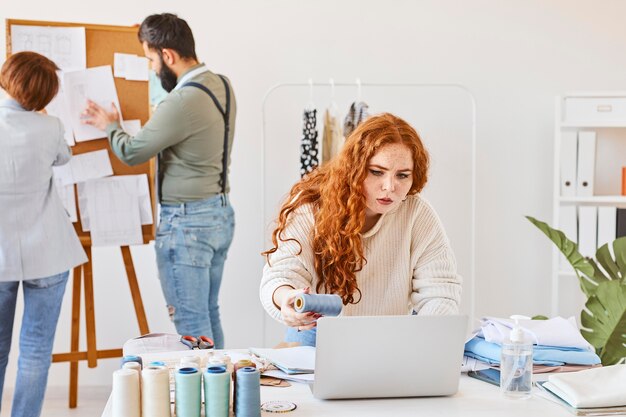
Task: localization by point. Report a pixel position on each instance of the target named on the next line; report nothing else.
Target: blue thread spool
(248, 398)
(156, 363)
(188, 381)
(216, 392)
(131, 358)
(324, 304)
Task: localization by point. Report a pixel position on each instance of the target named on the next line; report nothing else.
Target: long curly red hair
(335, 191)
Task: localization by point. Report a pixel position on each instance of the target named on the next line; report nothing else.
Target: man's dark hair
(167, 30)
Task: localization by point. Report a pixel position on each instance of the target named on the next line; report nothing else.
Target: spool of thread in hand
(131, 358)
(155, 392)
(240, 364)
(324, 304)
(248, 399)
(125, 393)
(216, 392)
(188, 381)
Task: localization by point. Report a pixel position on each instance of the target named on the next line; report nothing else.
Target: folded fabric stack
(591, 392)
(558, 345)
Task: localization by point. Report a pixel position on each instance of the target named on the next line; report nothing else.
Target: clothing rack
(358, 86)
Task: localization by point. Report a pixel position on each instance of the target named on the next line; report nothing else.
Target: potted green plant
(603, 281)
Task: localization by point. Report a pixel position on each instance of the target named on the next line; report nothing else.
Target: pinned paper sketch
(95, 84)
(113, 208)
(68, 198)
(130, 67)
(58, 107)
(63, 45)
(83, 167)
(138, 182)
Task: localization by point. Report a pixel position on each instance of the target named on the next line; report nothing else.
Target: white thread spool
(126, 402)
(155, 392)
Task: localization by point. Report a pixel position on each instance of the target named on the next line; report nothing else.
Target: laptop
(388, 356)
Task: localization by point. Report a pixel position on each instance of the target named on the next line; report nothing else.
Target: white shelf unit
(605, 114)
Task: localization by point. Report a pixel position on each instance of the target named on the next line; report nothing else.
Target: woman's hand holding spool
(284, 297)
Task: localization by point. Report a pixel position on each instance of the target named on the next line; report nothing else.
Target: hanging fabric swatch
(333, 137)
(357, 113)
(309, 153)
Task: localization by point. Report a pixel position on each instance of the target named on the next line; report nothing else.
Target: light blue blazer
(37, 238)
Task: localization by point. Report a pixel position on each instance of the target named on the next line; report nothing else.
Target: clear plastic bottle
(516, 364)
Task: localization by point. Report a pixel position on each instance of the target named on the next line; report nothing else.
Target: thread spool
(125, 393)
(248, 399)
(155, 392)
(324, 304)
(131, 358)
(216, 392)
(188, 403)
(157, 363)
(240, 364)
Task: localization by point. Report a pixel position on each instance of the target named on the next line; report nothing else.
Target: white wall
(515, 56)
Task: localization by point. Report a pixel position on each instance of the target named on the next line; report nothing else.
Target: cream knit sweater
(410, 265)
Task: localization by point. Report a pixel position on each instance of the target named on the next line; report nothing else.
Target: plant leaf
(604, 321)
(570, 249)
(619, 249)
(603, 255)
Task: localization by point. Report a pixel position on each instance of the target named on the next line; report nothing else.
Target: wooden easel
(102, 41)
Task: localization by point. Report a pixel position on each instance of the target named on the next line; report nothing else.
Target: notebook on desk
(388, 356)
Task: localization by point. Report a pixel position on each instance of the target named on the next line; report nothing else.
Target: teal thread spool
(248, 399)
(216, 392)
(324, 304)
(188, 403)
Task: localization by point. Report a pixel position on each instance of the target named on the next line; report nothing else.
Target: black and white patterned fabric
(357, 113)
(309, 153)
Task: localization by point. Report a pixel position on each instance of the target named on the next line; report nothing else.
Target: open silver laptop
(388, 356)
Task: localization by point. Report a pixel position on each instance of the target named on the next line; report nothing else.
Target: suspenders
(226, 115)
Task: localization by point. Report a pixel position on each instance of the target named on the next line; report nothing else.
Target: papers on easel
(295, 360)
(130, 67)
(117, 207)
(63, 45)
(58, 107)
(95, 84)
(68, 198)
(83, 167)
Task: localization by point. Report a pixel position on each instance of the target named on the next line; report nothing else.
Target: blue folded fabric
(480, 349)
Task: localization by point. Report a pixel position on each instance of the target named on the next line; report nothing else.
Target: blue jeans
(42, 305)
(305, 337)
(191, 246)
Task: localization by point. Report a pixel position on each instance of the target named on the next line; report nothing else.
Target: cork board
(102, 41)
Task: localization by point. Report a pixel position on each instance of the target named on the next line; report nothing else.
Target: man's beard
(167, 77)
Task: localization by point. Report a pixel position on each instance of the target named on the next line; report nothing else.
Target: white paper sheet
(113, 208)
(131, 67)
(143, 195)
(68, 198)
(59, 107)
(137, 68)
(63, 45)
(83, 167)
(95, 84)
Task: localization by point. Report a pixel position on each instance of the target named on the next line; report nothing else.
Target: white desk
(474, 399)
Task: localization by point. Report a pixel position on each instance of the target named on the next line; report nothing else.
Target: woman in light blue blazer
(38, 244)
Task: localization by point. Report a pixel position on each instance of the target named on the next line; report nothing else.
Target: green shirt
(188, 130)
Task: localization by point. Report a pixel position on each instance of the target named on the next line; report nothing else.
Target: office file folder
(586, 163)
(568, 225)
(569, 148)
(607, 225)
(587, 230)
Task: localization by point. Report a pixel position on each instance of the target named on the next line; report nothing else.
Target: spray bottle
(516, 363)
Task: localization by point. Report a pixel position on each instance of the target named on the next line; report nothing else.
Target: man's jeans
(42, 305)
(191, 246)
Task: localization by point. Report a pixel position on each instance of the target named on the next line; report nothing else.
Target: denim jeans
(305, 337)
(42, 305)
(191, 246)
